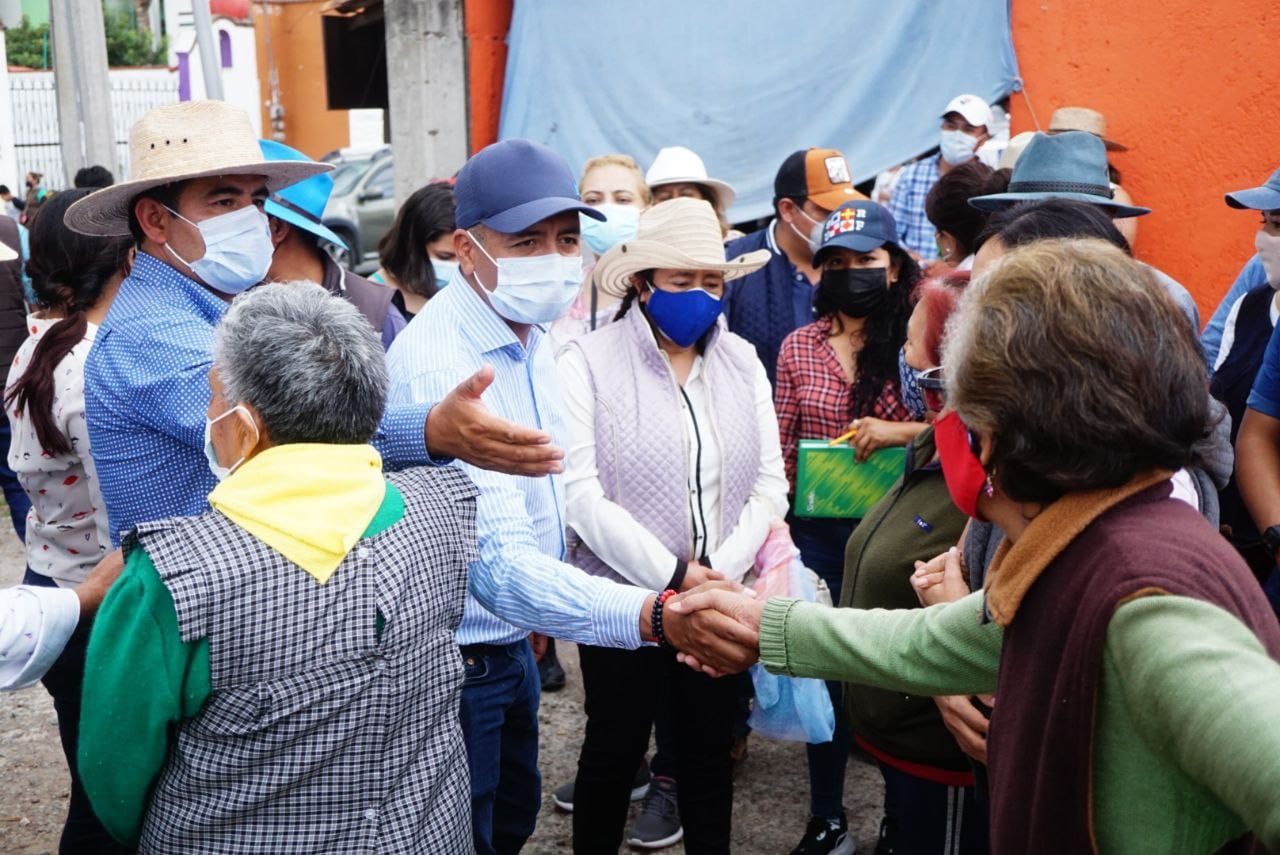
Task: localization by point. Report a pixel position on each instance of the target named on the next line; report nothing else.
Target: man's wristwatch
(1271, 540)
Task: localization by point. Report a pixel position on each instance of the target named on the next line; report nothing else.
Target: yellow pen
(844, 437)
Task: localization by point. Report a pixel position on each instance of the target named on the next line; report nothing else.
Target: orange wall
(1189, 87)
(298, 50)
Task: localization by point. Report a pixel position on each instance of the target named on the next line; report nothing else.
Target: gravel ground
(770, 804)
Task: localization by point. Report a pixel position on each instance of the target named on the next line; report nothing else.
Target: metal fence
(134, 91)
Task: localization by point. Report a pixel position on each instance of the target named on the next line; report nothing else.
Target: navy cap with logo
(511, 185)
(857, 226)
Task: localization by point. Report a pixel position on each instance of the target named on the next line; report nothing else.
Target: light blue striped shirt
(519, 582)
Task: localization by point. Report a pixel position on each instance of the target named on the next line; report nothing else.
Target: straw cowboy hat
(1083, 119)
(679, 165)
(178, 142)
(679, 234)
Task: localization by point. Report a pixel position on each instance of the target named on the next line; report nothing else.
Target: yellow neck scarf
(309, 502)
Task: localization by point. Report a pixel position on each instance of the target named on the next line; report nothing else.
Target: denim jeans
(19, 503)
(82, 833)
(500, 699)
(821, 543)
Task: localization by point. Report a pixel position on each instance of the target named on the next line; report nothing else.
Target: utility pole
(82, 85)
(426, 90)
(210, 59)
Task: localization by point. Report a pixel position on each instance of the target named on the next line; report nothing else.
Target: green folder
(830, 484)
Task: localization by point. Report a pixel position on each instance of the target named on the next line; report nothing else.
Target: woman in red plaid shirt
(837, 373)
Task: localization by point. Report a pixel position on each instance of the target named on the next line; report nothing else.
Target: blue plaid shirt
(147, 396)
(519, 582)
(915, 232)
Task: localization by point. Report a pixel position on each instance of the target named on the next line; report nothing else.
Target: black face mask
(857, 292)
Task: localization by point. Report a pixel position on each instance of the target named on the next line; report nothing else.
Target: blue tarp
(746, 82)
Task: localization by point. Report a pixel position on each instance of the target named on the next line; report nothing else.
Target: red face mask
(961, 466)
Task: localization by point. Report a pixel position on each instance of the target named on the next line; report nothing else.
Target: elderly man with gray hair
(279, 674)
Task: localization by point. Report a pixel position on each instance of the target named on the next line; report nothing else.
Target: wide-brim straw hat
(180, 142)
(679, 234)
(1083, 119)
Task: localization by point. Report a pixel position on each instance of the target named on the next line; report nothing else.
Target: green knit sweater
(1186, 745)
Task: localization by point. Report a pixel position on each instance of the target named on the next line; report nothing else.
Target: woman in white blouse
(673, 475)
(74, 277)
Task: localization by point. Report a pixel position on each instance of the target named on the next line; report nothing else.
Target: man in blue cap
(1266, 200)
(520, 267)
(1251, 319)
(294, 216)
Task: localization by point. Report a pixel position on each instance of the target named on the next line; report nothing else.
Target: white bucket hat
(178, 142)
(679, 165)
(678, 234)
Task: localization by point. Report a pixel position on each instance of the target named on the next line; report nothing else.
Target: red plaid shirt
(814, 398)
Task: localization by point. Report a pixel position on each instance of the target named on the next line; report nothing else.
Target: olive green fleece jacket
(1187, 738)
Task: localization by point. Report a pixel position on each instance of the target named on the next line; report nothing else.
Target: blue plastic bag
(792, 708)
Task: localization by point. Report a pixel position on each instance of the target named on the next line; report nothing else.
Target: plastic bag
(792, 708)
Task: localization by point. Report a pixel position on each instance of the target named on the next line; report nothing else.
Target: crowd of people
(299, 543)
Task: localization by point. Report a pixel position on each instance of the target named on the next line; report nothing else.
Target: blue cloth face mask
(219, 471)
(622, 223)
(912, 397)
(683, 316)
(237, 249)
(533, 290)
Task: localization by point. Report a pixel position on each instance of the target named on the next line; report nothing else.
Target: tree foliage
(29, 47)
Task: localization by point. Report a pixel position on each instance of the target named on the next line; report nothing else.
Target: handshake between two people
(714, 626)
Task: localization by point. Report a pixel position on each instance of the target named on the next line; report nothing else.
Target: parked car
(361, 206)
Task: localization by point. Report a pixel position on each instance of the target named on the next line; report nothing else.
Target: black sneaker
(549, 669)
(658, 824)
(826, 837)
(563, 794)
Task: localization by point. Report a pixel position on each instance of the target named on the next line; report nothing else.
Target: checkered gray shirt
(319, 736)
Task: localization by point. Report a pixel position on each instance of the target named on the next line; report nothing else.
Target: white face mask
(219, 471)
(957, 147)
(443, 271)
(237, 249)
(1268, 246)
(814, 238)
(533, 290)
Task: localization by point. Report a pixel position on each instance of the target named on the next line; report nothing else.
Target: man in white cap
(194, 206)
(966, 125)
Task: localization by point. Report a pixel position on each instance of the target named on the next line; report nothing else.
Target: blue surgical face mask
(683, 316)
(957, 147)
(912, 397)
(237, 249)
(219, 471)
(443, 271)
(622, 223)
(533, 290)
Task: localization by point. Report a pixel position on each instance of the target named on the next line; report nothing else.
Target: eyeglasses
(933, 387)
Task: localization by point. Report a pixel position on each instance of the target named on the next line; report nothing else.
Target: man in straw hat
(194, 206)
(520, 267)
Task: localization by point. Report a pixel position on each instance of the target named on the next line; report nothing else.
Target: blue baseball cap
(1264, 198)
(860, 226)
(510, 185)
(301, 204)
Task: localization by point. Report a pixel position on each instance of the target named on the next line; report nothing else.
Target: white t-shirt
(67, 530)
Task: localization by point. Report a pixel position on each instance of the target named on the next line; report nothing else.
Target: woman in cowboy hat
(673, 469)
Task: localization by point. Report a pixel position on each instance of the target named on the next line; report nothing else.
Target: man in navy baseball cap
(519, 268)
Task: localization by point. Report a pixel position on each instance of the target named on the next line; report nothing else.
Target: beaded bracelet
(655, 621)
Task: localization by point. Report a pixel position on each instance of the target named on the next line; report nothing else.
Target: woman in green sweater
(1136, 658)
